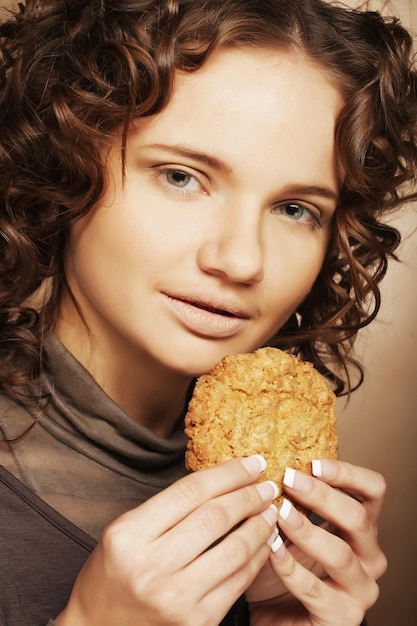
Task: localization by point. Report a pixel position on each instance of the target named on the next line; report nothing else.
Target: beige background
(378, 428)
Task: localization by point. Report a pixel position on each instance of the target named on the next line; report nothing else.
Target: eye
(295, 211)
(300, 213)
(180, 179)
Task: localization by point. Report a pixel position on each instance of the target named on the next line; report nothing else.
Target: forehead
(253, 103)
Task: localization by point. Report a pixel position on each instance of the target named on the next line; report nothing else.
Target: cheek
(296, 261)
(289, 279)
(118, 252)
(99, 255)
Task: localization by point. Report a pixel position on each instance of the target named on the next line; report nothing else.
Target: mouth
(213, 307)
(208, 317)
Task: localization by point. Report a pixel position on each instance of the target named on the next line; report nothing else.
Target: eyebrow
(313, 190)
(220, 166)
(202, 157)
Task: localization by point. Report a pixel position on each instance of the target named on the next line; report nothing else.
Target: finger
(173, 504)
(221, 574)
(347, 514)
(333, 553)
(230, 555)
(216, 518)
(236, 580)
(322, 599)
(235, 586)
(334, 506)
(365, 485)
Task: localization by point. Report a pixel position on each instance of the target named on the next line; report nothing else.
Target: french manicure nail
(316, 468)
(271, 515)
(297, 480)
(268, 490)
(289, 514)
(272, 537)
(289, 477)
(285, 509)
(254, 464)
(277, 543)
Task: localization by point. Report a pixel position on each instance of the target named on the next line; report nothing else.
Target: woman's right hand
(153, 566)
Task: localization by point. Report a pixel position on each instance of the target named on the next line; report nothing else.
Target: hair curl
(74, 71)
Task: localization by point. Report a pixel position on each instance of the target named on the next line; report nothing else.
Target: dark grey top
(84, 455)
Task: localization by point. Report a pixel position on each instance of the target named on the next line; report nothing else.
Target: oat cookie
(267, 402)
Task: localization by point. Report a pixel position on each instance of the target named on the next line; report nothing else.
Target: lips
(208, 317)
(214, 307)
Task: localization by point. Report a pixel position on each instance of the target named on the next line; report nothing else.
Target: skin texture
(219, 231)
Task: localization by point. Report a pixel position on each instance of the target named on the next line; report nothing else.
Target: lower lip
(203, 322)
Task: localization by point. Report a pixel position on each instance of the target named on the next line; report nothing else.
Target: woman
(182, 180)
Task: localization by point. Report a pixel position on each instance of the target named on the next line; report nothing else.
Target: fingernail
(316, 469)
(297, 480)
(271, 515)
(268, 490)
(254, 464)
(272, 538)
(324, 468)
(277, 543)
(289, 514)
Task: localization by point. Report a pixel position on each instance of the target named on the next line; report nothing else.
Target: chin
(197, 362)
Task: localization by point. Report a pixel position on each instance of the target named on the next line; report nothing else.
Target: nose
(233, 248)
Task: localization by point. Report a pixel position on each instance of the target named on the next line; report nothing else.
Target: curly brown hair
(74, 71)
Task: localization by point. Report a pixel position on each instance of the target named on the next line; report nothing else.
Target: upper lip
(215, 305)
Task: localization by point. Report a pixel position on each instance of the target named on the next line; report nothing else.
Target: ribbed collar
(83, 416)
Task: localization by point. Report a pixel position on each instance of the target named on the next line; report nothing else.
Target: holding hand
(343, 587)
(153, 565)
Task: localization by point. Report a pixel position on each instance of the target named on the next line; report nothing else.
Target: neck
(148, 392)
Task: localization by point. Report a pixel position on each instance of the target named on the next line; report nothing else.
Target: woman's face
(223, 221)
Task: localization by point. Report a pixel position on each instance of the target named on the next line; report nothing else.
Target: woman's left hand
(323, 577)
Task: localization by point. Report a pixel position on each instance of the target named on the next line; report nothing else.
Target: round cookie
(267, 402)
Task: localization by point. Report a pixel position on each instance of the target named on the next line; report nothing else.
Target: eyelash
(163, 173)
(316, 222)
